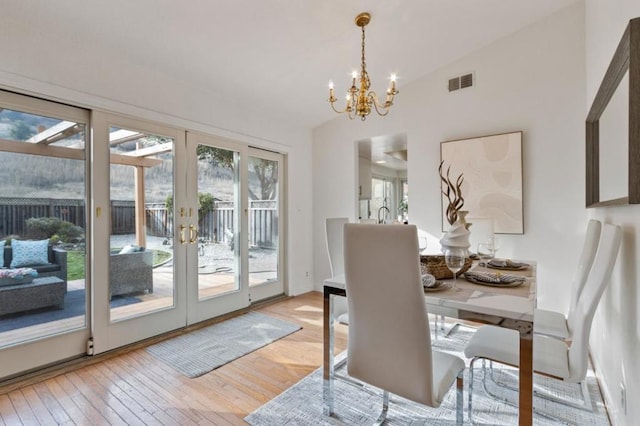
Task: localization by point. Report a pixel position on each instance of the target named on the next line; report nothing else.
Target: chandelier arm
(382, 110)
(385, 110)
(337, 110)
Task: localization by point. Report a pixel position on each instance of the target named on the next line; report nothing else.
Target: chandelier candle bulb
(332, 97)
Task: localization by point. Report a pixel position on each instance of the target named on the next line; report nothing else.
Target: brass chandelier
(361, 101)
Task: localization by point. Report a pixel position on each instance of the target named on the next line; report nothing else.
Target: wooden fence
(15, 211)
(217, 225)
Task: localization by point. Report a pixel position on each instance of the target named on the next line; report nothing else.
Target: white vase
(458, 234)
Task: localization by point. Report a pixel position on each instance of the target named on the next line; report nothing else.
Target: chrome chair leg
(470, 403)
(385, 408)
(504, 399)
(446, 333)
(586, 404)
(460, 398)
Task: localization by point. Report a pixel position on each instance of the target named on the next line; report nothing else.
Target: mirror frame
(626, 58)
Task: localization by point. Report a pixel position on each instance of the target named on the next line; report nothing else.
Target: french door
(149, 228)
(265, 204)
(43, 204)
(140, 288)
(190, 224)
(233, 236)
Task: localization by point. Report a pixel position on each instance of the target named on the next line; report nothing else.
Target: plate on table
(496, 280)
(507, 265)
(438, 286)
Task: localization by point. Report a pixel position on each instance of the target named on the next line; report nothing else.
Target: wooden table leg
(525, 412)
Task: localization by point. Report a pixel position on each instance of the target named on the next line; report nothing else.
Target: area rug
(74, 304)
(301, 404)
(198, 352)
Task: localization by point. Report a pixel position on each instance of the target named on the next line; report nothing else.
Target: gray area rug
(196, 353)
(301, 404)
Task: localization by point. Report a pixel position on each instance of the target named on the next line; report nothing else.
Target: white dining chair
(389, 344)
(553, 357)
(556, 324)
(334, 237)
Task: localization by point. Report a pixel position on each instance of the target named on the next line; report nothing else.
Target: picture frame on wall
(492, 170)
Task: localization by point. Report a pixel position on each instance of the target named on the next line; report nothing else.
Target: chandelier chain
(364, 64)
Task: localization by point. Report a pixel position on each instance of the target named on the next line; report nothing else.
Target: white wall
(615, 337)
(532, 81)
(91, 74)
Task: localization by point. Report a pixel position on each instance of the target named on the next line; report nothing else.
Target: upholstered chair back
(335, 243)
(589, 298)
(389, 341)
(585, 263)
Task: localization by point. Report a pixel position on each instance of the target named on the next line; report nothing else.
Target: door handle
(182, 239)
(193, 234)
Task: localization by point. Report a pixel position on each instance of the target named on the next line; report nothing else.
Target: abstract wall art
(492, 187)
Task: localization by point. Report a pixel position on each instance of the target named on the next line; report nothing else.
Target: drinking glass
(485, 253)
(454, 258)
(422, 243)
(494, 244)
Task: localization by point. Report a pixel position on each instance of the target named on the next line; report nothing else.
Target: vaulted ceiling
(278, 55)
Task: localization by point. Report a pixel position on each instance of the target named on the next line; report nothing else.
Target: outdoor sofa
(47, 289)
(131, 271)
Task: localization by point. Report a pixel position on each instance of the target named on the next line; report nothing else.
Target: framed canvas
(492, 171)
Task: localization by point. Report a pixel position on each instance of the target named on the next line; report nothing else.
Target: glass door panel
(216, 216)
(141, 271)
(264, 256)
(43, 232)
(218, 221)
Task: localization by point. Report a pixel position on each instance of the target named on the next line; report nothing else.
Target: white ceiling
(278, 55)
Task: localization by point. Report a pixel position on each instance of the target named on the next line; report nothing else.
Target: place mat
(507, 265)
(496, 280)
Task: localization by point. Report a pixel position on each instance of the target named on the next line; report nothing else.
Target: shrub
(53, 228)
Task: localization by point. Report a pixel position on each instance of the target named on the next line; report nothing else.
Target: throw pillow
(131, 249)
(27, 253)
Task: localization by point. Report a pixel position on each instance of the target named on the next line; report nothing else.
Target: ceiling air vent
(461, 82)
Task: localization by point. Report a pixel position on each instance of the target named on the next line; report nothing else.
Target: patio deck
(211, 283)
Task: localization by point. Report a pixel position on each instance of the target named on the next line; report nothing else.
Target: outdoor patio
(215, 276)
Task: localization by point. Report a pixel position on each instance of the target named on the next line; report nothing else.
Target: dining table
(505, 306)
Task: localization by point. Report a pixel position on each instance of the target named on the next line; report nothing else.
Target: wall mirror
(613, 128)
(382, 178)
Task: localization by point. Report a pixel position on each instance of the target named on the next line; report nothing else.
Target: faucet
(379, 210)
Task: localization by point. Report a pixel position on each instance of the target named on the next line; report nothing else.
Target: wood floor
(134, 388)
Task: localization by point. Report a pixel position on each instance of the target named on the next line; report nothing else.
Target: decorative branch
(453, 192)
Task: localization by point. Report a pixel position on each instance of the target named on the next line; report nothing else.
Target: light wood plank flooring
(134, 388)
